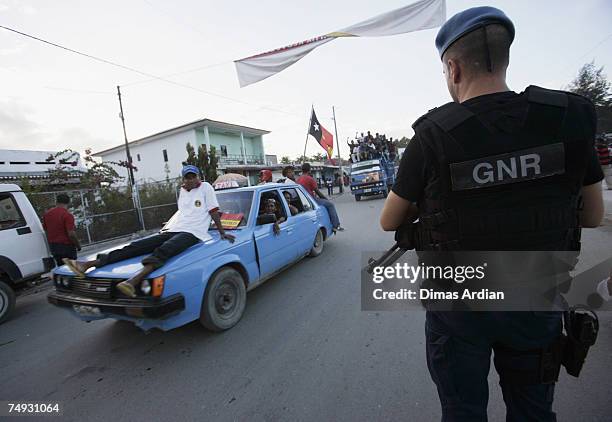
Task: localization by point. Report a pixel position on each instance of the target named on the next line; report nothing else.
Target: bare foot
(127, 289)
(75, 267)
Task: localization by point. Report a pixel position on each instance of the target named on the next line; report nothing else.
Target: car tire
(385, 193)
(317, 245)
(224, 300)
(7, 301)
(357, 198)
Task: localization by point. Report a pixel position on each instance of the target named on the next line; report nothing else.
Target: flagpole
(338, 146)
(307, 130)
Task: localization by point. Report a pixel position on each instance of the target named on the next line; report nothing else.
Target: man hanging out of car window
(272, 208)
(197, 205)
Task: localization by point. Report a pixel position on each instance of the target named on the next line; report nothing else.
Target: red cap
(265, 175)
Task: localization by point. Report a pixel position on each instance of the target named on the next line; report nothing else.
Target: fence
(107, 213)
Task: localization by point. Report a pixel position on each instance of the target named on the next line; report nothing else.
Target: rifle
(405, 240)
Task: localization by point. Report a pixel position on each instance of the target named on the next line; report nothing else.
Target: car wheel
(357, 198)
(224, 300)
(385, 193)
(7, 301)
(317, 245)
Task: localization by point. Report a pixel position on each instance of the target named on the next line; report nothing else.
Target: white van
(24, 252)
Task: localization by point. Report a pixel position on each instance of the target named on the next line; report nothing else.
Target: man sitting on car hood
(197, 205)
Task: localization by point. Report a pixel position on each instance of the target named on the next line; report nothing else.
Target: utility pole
(307, 133)
(338, 146)
(135, 193)
(127, 148)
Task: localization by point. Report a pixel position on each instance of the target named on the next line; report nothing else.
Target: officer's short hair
(62, 198)
(470, 50)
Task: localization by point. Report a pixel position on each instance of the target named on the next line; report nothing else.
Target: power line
(149, 75)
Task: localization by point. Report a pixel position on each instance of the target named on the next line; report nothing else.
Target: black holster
(581, 329)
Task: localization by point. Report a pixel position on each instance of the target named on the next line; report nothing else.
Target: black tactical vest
(500, 190)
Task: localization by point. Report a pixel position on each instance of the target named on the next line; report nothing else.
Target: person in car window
(271, 207)
(292, 208)
(197, 205)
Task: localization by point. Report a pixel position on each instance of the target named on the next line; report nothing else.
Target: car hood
(198, 252)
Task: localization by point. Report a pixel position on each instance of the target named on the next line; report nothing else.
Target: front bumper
(136, 308)
(369, 190)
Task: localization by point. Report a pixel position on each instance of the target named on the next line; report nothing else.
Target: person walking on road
(451, 179)
(311, 186)
(58, 223)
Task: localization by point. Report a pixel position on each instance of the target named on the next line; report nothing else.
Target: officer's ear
(453, 70)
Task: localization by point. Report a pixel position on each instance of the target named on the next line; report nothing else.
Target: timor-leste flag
(323, 137)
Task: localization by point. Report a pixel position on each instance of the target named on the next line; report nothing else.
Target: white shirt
(289, 181)
(193, 212)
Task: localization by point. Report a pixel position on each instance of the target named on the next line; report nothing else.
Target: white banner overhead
(424, 14)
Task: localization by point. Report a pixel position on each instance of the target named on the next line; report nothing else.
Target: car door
(274, 251)
(21, 237)
(305, 221)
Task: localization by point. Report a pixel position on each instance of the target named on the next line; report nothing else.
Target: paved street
(303, 351)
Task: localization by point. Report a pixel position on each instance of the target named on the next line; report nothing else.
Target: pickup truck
(372, 177)
(24, 252)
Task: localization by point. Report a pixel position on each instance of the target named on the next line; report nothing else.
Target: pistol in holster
(581, 328)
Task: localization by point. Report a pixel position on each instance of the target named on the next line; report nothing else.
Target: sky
(51, 99)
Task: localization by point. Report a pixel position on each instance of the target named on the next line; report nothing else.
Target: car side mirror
(265, 219)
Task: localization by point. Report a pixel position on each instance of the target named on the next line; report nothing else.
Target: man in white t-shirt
(197, 206)
(288, 176)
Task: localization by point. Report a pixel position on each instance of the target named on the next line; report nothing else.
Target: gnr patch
(513, 167)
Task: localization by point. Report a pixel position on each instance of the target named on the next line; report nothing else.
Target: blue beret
(189, 169)
(468, 21)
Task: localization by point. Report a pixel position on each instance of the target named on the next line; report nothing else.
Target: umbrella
(230, 180)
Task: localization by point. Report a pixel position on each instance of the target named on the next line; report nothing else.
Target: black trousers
(61, 251)
(459, 347)
(161, 247)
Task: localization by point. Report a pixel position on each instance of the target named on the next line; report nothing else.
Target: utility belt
(570, 350)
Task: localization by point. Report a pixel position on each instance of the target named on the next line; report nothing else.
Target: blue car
(208, 281)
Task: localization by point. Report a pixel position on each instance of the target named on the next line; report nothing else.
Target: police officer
(491, 160)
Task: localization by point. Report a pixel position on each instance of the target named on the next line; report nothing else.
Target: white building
(35, 165)
(239, 149)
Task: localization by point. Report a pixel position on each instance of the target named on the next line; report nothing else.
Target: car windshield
(365, 167)
(234, 202)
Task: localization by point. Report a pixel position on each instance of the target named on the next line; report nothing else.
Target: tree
(319, 157)
(592, 83)
(206, 162)
(97, 174)
(285, 160)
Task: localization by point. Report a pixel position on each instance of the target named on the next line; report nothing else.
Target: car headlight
(145, 287)
(65, 281)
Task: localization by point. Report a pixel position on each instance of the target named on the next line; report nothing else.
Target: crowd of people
(368, 147)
